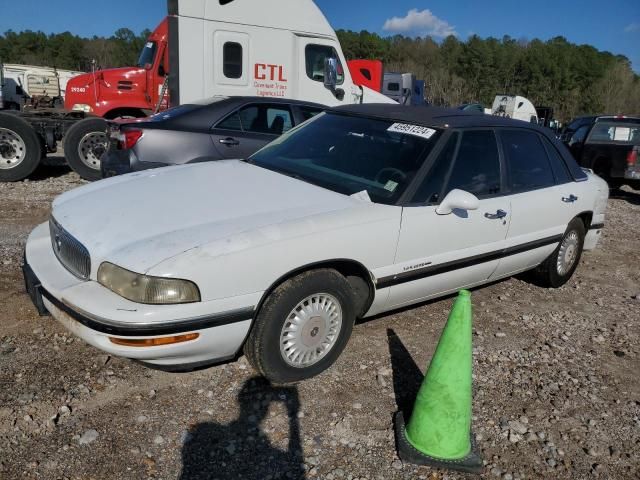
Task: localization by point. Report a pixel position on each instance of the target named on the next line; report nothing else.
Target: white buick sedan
(361, 210)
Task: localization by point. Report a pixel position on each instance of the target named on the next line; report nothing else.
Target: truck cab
(279, 49)
(127, 91)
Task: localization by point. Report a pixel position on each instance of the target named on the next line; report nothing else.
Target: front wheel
(302, 327)
(558, 268)
(84, 145)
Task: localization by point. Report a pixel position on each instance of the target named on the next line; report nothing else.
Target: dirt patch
(555, 383)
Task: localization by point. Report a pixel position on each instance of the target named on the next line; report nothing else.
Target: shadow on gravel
(52, 167)
(632, 197)
(407, 377)
(241, 449)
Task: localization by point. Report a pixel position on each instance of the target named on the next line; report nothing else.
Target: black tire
(80, 133)
(15, 127)
(262, 348)
(547, 273)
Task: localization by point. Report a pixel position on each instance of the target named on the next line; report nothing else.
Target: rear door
(543, 198)
(249, 128)
(441, 253)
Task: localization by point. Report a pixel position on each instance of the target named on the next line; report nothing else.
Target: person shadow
(242, 449)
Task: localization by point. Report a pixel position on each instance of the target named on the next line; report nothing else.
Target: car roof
(241, 100)
(430, 116)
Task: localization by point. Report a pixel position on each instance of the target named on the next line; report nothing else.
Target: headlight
(82, 107)
(146, 289)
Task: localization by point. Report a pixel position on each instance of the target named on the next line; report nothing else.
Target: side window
(315, 56)
(309, 112)
(232, 122)
(557, 163)
(579, 135)
(269, 119)
(266, 119)
(232, 60)
(529, 167)
(477, 166)
(429, 191)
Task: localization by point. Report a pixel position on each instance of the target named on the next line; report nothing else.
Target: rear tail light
(632, 158)
(128, 138)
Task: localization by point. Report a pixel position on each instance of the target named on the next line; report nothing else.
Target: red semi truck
(127, 91)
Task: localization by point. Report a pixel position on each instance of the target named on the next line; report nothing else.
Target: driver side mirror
(330, 73)
(457, 200)
(331, 77)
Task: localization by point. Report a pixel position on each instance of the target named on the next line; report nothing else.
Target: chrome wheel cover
(311, 330)
(91, 148)
(568, 252)
(12, 149)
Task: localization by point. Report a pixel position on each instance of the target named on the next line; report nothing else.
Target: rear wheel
(84, 145)
(20, 149)
(558, 268)
(302, 327)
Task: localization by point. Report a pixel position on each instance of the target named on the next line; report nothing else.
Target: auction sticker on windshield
(409, 129)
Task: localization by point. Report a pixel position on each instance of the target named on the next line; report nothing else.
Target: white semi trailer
(25, 84)
(514, 106)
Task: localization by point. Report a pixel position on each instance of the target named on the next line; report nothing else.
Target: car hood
(139, 220)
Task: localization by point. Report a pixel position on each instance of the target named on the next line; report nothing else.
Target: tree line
(573, 79)
(68, 51)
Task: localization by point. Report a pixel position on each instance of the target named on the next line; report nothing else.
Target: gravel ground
(556, 391)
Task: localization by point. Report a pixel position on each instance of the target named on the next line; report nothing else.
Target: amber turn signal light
(154, 342)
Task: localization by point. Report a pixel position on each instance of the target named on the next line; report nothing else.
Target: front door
(312, 53)
(442, 253)
(248, 129)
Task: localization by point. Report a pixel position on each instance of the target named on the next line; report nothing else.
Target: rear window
(612, 132)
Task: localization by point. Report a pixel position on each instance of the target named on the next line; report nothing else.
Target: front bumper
(118, 162)
(632, 173)
(96, 314)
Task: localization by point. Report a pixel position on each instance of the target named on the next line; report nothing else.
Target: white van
(279, 48)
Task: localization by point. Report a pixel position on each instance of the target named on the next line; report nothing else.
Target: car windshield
(351, 155)
(147, 54)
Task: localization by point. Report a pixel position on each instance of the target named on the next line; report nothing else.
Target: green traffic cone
(439, 430)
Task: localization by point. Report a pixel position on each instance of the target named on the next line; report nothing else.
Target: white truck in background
(22, 85)
(279, 48)
(514, 106)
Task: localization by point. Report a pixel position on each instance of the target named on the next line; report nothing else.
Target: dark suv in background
(609, 145)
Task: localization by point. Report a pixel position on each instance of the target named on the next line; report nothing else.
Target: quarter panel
(173, 147)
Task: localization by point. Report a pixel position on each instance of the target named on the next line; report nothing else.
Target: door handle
(570, 199)
(497, 215)
(229, 141)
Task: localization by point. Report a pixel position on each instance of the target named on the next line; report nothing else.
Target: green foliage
(68, 51)
(573, 79)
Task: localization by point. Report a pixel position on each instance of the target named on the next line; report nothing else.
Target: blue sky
(613, 25)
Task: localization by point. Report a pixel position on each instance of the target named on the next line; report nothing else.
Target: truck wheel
(302, 327)
(84, 145)
(558, 268)
(20, 149)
